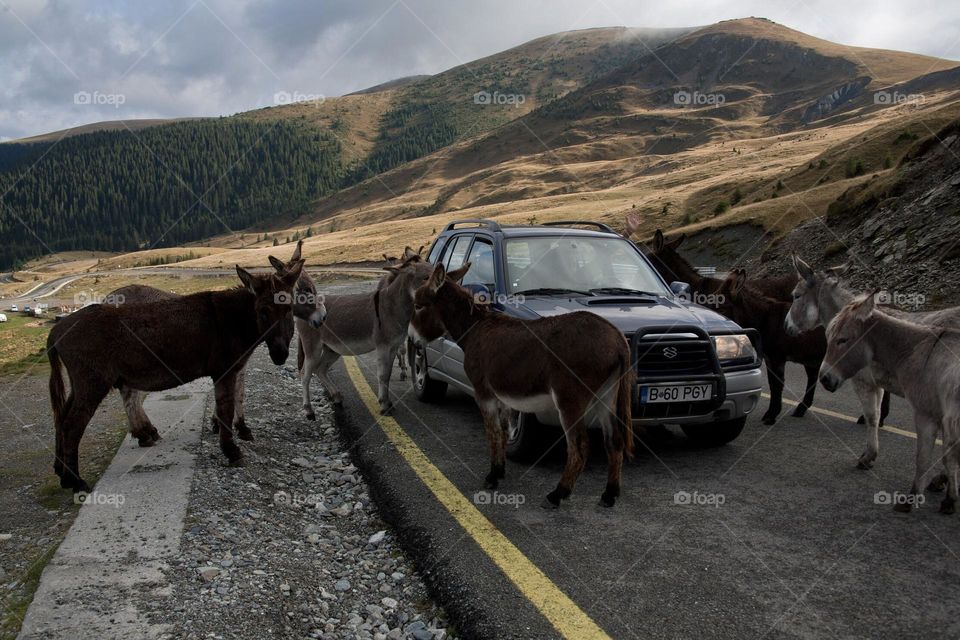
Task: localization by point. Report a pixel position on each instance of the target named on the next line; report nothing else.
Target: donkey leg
(327, 357)
(869, 396)
(224, 391)
(490, 410)
(140, 425)
(813, 372)
(58, 459)
(927, 430)
(87, 396)
(306, 372)
(615, 445)
(402, 363)
(884, 407)
(385, 358)
(951, 448)
(775, 373)
(571, 417)
(239, 423)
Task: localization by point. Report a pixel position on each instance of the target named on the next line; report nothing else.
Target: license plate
(675, 393)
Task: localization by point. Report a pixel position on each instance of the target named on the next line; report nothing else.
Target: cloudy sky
(140, 59)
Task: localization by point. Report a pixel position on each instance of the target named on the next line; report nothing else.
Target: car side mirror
(681, 289)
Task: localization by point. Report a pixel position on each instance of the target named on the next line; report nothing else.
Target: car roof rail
(479, 222)
(589, 223)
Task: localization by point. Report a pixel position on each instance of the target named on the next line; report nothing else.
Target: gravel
(289, 545)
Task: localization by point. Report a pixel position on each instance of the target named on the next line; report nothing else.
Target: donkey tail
(58, 399)
(625, 403)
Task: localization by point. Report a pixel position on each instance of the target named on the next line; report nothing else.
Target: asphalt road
(774, 535)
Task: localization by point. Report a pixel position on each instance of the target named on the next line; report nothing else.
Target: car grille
(673, 357)
(672, 409)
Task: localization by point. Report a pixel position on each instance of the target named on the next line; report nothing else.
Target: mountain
(744, 122)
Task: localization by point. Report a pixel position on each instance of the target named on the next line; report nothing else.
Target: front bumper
(742, 396)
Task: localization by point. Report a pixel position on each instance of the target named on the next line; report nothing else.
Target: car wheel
(426, 388)
(527, 438)
(715, 434)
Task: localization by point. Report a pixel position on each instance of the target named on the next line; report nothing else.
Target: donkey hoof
(902, 507)
(490, 482)
(800, 411)
(947, 507)
(607, 500)
(861, 420)
(938, 484)
(244, 433)
(146, 441)
(864, 465)
(214, 425)
(311, 416)
(386, 409)
(548, 503)
(769, 418)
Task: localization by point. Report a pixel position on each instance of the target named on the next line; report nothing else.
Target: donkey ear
(293, 273)
(838, 271)
(736, 281)
(632, 222)
(458, 274)
(247, 279)
(296, 252)
(437, 278)
(865, 305)
(658, 240)
(673, 244)
(420, 250)
(803, 269)
(280, 267)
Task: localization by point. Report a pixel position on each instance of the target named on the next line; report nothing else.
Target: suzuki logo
(670, 352)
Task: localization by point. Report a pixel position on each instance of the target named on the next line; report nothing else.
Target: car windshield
(578, 264)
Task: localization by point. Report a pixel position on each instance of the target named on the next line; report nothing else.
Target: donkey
(924, 364)
(160, 345)
(359, 323)
(752, 309)
(817, 299)
(537, 365)
(672, 266)
(140, 426)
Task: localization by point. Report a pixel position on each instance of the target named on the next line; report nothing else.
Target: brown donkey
(576, 363)
(751, 309)
(161, 345)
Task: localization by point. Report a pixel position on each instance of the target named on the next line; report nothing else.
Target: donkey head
(729, 294)
(847, 351)
(670, 264)
(412, 271)
(428, 322)
(272, 308)
(812, 287)
(307, 304)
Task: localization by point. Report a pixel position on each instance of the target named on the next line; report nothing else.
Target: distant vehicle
(3, 318)
(27, 310)
(14, 308)
(38, 313)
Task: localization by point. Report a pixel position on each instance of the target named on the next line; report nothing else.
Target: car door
(450, 361)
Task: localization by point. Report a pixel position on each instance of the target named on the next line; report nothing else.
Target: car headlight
(734, 347)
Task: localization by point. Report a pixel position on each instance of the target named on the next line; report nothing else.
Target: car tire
(527, 439)
(426, 388)
(715, 434)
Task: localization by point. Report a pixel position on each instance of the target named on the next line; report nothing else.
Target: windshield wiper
(551, 291)
(623, 291)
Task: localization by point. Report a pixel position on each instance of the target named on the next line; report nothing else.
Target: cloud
(214, 57)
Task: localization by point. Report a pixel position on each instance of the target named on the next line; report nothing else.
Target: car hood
(629, 314)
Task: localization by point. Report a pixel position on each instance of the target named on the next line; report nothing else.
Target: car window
(577, 262)
(457, 253)
(481, 265)
(434, 254)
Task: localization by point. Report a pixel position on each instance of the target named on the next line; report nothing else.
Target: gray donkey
(360, 323)
(817, 299)
(925, 367)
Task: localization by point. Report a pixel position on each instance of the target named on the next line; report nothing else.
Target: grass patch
(16, 608)
(22, 342)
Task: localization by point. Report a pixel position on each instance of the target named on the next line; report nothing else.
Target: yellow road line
(560, 610)
(843, 416)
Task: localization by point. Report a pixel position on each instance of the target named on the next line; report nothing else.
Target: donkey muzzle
(829, 381)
